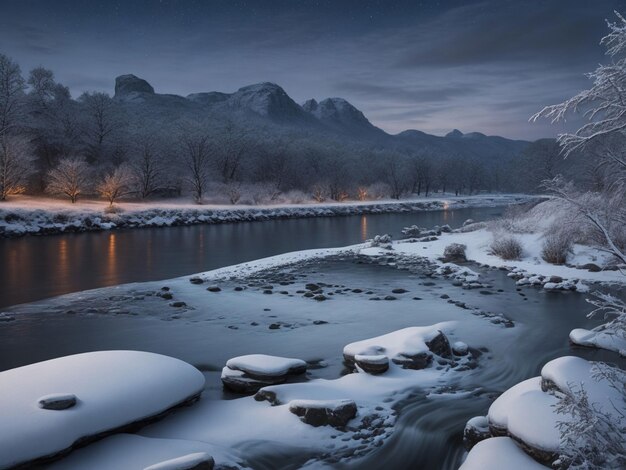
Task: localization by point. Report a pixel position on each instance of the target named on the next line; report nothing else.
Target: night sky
(477, 66)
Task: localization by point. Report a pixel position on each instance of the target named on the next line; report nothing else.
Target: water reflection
(364, 235)
(34, 268)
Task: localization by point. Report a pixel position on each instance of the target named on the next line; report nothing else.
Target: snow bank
(112, 389)
(27, 215)
(605, 339)
(491, 454)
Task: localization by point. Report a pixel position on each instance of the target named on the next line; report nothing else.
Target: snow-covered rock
(112, 388)
(376, 364)
(247, 374)
(476, 430)
(411, 348)
(498, 453)
(605, 339)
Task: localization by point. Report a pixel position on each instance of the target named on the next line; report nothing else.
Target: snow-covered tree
(11, 94)
(71, 178)
(16, 164)
(115, 184)
(603, 137)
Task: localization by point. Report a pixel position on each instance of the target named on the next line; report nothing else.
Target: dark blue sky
(477, 66)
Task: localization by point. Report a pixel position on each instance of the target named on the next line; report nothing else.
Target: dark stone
(454, 253)
(555, 279)
(320, 298)
(592, 267)
(415, 362)
(274, 326)
(399, 291)
(196, 280)
(312, 287)
(308, 294)
(238, 289)
(357, 291)
(59, 402)
(337, 416)
(166, 296)
(319, 322)
(371, 366)
(444, 296)
(476, 430)
(178, 304)
(440, 345)
(213, 289)
(268, 291)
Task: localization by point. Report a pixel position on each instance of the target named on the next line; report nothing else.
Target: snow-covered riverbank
(24, 215)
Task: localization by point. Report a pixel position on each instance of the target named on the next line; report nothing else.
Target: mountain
(267, 105)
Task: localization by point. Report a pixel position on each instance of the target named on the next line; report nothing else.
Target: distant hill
(268, 106)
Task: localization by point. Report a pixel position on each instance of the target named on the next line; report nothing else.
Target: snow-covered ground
(49, 406)
(28, 215)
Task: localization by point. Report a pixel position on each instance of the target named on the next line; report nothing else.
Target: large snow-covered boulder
(248, 374)
(108, 389)
(498, 453)
(410, 348)
(528, 411)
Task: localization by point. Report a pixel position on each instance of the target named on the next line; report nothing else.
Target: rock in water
(372, 364)
(476, 430)
(248, 374)
(57, 401)
(335, 413)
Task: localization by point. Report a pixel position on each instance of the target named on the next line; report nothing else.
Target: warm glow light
(363, 227)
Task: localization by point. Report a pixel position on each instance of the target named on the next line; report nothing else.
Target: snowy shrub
(591, 438)
(472, 227)
(379, 191)
(362, 194)
(610, 308)
(294, 197)
(556, 247)
(319, 192)
(382, 241)
(454, 252)
(113, 209)
(506, 247)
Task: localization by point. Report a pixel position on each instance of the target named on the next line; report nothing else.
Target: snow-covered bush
(506, 247)
(454, 252)
(379, 191)
(610, 308)
(556, 247)
(382, 241)
(592, 438)
(113, 209)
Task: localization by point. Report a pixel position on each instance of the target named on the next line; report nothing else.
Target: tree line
(51, 143)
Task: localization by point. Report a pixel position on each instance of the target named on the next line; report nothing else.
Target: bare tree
(115, 184)
(196, 159)
(69, 178)
(148, 168)
(16, 164)
(11, 93)
(102, 120)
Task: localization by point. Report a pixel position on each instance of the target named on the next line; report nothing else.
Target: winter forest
(201, 269)
(256, 146)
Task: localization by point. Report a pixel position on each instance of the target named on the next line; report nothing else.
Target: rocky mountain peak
(126, 84)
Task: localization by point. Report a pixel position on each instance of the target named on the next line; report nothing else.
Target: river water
(428, 434)
(35, 268)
